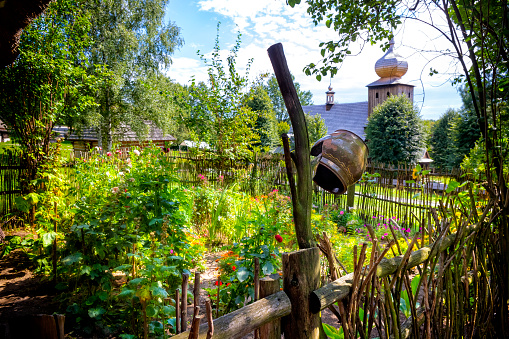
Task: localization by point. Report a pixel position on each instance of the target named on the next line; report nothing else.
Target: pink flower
(278, 238)
(109, 154)
(171, 251)
(342, 212)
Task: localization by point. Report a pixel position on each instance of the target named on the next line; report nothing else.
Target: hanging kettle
(341, 158)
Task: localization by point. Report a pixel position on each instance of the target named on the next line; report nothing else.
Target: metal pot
(341, 159)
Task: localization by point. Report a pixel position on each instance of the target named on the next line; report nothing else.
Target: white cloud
(265, 22)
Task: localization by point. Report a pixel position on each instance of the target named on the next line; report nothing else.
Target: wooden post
(301, 276)
(183, 304)
(55, 247)
(256, 289)
(196, 290)
(272, 330)
(177, 312)
(302, 198)
(208, 309)
(195, 324)
(350, 196)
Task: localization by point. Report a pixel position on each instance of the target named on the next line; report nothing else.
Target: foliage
(48, 82)
(135, 41)
(272, 88)
(394, 132)
(442, 149)
(230, 124)
(316, 127)
(129, 227)
(266, 124)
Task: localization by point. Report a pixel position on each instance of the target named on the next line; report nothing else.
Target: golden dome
(391, 65)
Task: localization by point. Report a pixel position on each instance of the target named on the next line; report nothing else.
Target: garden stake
(256, 289)
(208, 310)
(217, 297)
(55, 246)
(195, 325)
(196, 289)
(183, 319)
(177, 312)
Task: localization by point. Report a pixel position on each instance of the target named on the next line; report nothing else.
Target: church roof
(351, 116)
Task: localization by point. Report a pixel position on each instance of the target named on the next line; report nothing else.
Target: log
(177, 312)
(243, 321)
(272, 330)
(330, 293)
(301, 276)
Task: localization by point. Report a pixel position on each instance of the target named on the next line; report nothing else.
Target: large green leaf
(71, 259)
(151, 311)
(96, 312)
(242, 274)
(48, 238)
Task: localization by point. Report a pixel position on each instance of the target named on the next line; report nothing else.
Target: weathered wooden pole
(301, 269)
(272, 330)
(302, 201)
(350, 196)
(183, 303)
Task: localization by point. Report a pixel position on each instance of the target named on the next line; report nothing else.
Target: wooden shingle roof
(351, 116)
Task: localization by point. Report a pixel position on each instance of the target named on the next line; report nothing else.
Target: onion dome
(391, 65)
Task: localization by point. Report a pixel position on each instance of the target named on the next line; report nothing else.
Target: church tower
(390, 68)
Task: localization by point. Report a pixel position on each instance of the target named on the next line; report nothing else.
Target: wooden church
(354, 116)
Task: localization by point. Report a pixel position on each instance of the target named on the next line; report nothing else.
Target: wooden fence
(270, 309)
(383, 196)
(11, 171)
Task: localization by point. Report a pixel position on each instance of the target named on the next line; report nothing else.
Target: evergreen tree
(441, 141)
(394, 132)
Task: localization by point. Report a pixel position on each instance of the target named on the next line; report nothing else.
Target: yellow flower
(415, 174)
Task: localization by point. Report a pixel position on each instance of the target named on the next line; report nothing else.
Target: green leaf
(242, 274)
(48, 238)
(267, 268)
(158, 292)
(71, 259)
(168, 310)
(126, 293)
(96, 312)
(151, 311)
(333, 332)
(136, 281)
(22, 204)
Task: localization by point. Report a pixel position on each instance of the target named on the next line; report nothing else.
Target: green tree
(394, 132)
(266, 124)
(442, 144)
(132, 39)
(272, 87)
(230, 123)
(48, 82)
(316, 127)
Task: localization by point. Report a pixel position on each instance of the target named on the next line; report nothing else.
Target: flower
(218, 283)
(109, 154)
(342, 212)
(171, 251)
(278, 238)
(136, 152)
(115, 190)
(234, 268)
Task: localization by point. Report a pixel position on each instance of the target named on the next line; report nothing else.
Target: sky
(263, 23)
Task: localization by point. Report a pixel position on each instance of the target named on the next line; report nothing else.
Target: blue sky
(266, 22)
